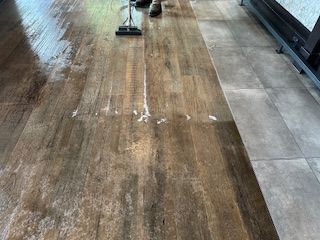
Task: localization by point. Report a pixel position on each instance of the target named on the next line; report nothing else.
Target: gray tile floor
(276, 109)
(293, 196)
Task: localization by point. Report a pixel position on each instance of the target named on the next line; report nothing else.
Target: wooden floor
(103, 137)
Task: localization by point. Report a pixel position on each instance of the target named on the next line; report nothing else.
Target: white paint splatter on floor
(188, 117)
(145, 114)
(74, 113)
(143, 117)
(213, 118)
(135, 112)
(106, 109)
(162, 120)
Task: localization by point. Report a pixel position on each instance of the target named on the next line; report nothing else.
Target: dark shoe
(155, 9)
(142, 3)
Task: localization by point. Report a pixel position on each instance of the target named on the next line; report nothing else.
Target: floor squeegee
(128, 29)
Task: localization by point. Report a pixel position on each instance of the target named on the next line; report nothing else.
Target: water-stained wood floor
(105, 137)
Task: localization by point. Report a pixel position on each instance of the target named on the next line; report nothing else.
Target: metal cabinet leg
(241, 3)
(297, 67)
(280, 50)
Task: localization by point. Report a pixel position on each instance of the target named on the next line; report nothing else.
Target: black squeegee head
(128, 30)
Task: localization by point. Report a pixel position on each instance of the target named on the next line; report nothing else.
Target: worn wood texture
(76, 162)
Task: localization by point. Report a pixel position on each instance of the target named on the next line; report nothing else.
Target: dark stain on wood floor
(103, 137)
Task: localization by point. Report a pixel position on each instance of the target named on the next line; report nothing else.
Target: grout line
(318, 180)
(303, 86)
(243, 53)
(291, 133)
(277, 159)
(262, 88)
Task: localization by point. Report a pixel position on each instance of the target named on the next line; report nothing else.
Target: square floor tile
(207, 10)
(261, 127)
(305, 80)
(292, 193)
(271, 68)
(247, 33)
(231, 10)
(233, 69)
(216, 34)
(301, 112)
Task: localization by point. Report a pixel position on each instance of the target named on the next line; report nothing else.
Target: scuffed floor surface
(105, 137)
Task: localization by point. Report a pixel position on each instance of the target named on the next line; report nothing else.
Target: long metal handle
(129, 16)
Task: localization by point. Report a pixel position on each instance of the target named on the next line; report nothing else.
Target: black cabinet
(302, 44)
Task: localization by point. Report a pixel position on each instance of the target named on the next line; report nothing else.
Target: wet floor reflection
(44, 31)
(21, 75)
(40, 40)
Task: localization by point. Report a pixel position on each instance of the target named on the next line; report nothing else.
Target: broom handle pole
(129, 16)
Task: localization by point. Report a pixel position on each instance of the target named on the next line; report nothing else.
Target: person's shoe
(142, 3)
(155, 9)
